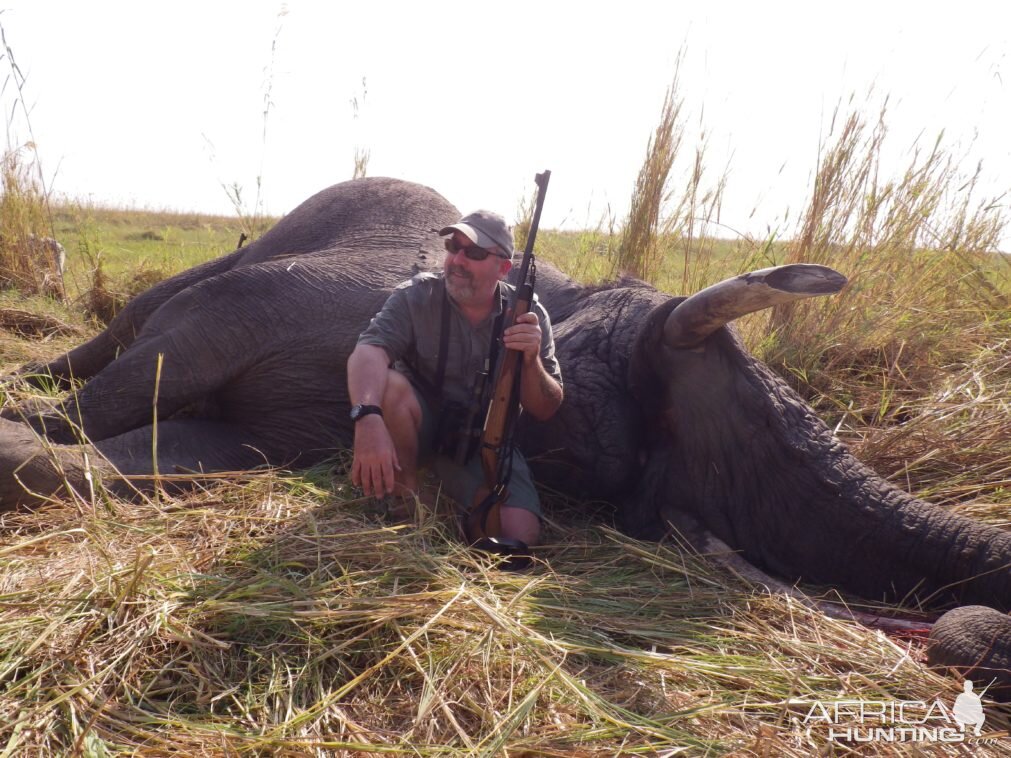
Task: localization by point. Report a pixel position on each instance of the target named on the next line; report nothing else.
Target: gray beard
(461, 290)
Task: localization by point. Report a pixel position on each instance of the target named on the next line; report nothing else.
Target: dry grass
(911, 361)
(639, 254)
(668, 237)
(105, 298)
(26, 261)
(915, 246)
(35, 325)
(951, 444)
(273, 615)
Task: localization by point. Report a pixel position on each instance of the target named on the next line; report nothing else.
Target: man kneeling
(414, 368)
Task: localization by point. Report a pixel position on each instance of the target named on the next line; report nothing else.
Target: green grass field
(125, 242)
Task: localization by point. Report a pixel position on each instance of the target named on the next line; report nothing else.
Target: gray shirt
(408, 328)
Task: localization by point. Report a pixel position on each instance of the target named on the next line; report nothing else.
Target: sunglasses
(473, 252)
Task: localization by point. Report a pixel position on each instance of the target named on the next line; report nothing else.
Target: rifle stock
(484, 519)
(494, 440)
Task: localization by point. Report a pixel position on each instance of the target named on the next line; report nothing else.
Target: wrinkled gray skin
(254, 347)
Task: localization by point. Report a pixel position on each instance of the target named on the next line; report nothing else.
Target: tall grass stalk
(917, 245)
(639, 252)
(18, 79)
(362, 154)
(669, 235)
(154, 424)
(690, 227)
(253, 220)
(28, 259)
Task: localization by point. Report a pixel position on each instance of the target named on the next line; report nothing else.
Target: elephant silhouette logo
(968, 709)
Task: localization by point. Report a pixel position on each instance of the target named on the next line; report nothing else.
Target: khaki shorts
(462, 482)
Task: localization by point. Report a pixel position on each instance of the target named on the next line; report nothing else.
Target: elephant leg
(183, 446)
(85, 361)
(33, 471)
(173, 365)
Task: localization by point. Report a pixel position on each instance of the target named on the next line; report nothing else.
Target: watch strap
(361, 411)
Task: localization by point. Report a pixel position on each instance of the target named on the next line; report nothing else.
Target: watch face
(356, 412)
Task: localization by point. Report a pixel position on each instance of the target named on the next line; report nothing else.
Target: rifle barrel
(496, 434)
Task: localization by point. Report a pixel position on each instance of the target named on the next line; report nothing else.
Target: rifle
(484, 526)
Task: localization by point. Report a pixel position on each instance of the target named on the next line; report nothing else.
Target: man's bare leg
(520, 524)
(402, 414)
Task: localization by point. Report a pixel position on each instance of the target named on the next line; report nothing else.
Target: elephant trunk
(976, 643)
(750, 460)
(833, 522)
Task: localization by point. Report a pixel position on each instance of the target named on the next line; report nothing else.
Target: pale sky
(157, 105)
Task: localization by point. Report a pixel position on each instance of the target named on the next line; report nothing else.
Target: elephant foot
(33, 471)
(48, 418)
(975, 642)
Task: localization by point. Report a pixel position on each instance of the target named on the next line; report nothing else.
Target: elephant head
(682, 420)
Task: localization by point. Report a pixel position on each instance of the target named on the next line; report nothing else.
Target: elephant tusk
(706, 311)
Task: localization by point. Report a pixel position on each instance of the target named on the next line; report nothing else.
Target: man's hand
(540, 394)
(375, 457)
(524, 335)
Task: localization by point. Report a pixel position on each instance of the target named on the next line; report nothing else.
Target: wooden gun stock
(495, 438)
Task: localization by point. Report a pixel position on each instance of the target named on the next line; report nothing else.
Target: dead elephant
(666, 413)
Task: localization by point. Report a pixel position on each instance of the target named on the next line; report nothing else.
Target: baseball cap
(485, 229)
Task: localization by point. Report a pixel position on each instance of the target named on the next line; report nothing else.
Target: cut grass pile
(271, 615)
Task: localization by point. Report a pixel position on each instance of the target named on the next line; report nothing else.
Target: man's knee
(400, 403)
(520, 524)
(399, 393)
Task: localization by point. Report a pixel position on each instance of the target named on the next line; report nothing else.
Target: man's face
(471, 282)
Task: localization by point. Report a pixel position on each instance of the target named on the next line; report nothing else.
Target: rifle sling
(440, 368)
(444, 332)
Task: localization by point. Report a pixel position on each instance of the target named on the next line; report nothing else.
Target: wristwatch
(358, 412)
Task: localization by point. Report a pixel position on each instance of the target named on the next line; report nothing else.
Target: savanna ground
(276, 613)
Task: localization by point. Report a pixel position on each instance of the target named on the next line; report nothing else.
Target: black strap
(496, 332)
(440, 367)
